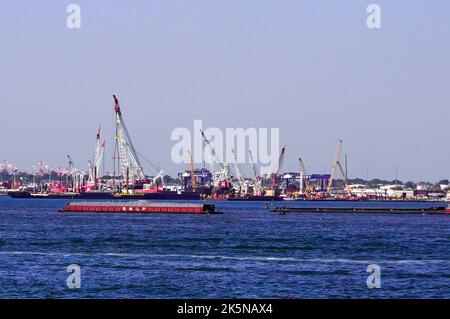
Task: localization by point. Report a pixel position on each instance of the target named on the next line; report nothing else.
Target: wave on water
(241, 258)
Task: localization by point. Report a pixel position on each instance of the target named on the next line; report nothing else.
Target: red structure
(140, 207)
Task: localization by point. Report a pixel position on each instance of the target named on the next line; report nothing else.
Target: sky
(311, 68)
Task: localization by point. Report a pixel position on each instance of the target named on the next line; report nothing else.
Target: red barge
(140, 207)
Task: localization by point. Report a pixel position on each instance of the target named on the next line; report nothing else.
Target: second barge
(366, 207)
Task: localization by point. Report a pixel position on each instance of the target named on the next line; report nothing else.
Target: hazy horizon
(312, 69)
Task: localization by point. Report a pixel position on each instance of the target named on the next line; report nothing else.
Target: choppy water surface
(246, 252)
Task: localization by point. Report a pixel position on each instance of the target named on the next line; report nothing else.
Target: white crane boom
(94, 166)
(255, 175)
(256, 181)
(240, 177)
(343, 174)
(210, 154)
(335, 165)
(303, 180)
(219, 175)
(274, 178)
(131, 167)
(160, 176)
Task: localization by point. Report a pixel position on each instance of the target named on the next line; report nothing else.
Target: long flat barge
(140, 207)
(361, 209)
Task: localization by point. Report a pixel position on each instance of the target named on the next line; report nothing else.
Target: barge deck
(140, 207)
(374, 210)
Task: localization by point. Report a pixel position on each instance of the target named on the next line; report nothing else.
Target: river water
(246, 252)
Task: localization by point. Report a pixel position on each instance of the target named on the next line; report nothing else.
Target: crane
(341, 169)
(94, 166)
(255, 175)
(71, 163)
(160, 176)
(72, 171)
(77, 175)
(98, 154)
(274, 178)
(44, 168)
(303, 180)
(238, 169)
(8, 167)
(256, 181)
(131, 166)
(243, 185)
(221, 174)
(192, 172)
(211, 157)
(336, 165)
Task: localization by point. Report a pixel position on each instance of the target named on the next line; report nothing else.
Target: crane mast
(243, 185)
(44, 168)
(341, 169)
(219, 175)
(192, 172)
(129, 161)
(303, 180)
(334, 165)
(94, 166)
(255, 175)
(77, 176)
(210, 154)
(99, 149)
(71, 164)
(274, 178)
(241, 179)
(159, 176)
(256, 181)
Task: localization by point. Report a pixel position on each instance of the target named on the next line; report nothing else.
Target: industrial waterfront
(215, 180)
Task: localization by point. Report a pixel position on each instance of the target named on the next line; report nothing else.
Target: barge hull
(140, 208)
(432, 210)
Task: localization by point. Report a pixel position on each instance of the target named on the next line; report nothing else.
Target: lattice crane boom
(334, 165)
(192, 172)
(303, 178)
(255, 175)
(131, 167)
(94, 166)
(210, 154)
(274, 178)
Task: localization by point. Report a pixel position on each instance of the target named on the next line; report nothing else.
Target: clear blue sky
(312, 68)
